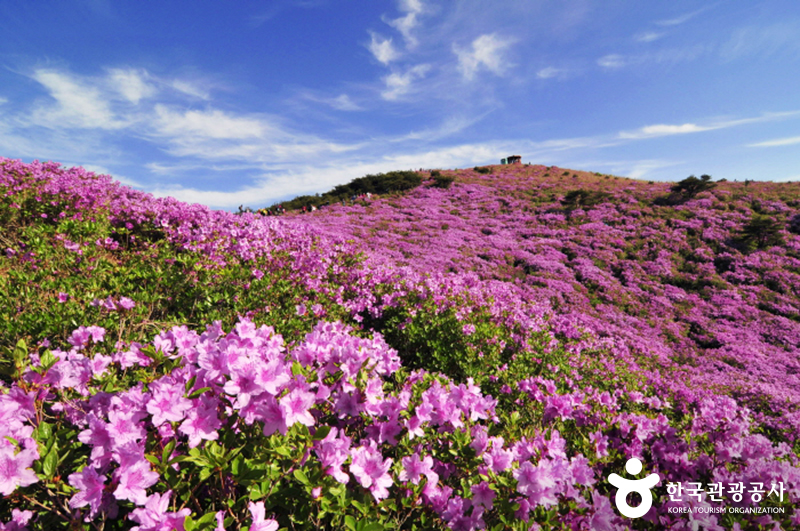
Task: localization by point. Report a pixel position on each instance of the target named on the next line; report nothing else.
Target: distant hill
(701, 276)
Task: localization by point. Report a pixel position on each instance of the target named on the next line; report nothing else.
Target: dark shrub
(482, 169)
(761, 232)
(584, 198)
(382, 183)
(442, 181)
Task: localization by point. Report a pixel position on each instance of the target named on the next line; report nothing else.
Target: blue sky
(228, 103)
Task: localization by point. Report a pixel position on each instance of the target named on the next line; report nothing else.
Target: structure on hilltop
(513, 159)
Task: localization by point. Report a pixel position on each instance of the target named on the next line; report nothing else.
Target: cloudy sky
(248, 102)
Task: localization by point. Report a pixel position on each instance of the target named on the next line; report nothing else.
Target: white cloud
(652, 131)
(611, 61)
(3, 100)
(398, 84)
(131, 84)
(549, 72)
(406, 24)
(190, 89)
(77, 104)
(762, 41)
(344, 103)
(648, 36)
(683, 18)
(778, 142)
(206, 124)
(486, 52)
(382, 49)
(664, 130)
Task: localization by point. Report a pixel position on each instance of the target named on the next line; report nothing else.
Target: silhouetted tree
(761, 232)
(687, 189)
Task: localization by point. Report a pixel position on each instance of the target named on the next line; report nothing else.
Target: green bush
(442, 181)
(761, 232)
(382, 183)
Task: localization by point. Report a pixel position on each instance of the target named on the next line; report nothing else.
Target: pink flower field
(478, 352)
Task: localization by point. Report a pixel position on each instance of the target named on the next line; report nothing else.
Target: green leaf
(153, 459)
(47, 360)
(199, 392)
(360, 506)
(190, 383)
(43, 431)
(300, 476)
(165, 455)
(373, 526)
(20, 354)
(321, 433)
(50, 462)
(350, 522)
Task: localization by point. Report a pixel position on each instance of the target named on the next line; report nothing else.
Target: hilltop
(479, 350)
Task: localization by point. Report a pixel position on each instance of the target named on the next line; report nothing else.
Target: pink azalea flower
(483, 495)
(259, 523)
(371, 470)
(90, 487)
(154, 516)
(202, 421)
(133, 480)
(19, 519)
(415, 467)
(295, 407)
(15, 469)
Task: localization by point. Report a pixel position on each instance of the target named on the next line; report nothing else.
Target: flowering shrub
(165, 366)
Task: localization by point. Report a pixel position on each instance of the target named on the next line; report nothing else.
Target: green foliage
(761, 232)
(794, 224)
(584, 198)
(687, 189)
(482, 169)
(46, 290)
(442, 181)
(382, 183)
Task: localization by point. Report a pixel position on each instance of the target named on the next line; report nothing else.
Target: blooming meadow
(480, 355)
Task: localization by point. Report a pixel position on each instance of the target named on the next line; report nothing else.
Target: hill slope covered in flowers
(474, 357)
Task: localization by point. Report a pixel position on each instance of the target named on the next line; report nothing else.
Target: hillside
(684, 283)
(475, 354)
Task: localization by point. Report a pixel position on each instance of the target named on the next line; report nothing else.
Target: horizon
(254, 104)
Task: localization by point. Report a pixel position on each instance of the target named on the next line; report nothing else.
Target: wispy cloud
(206, 124)
(612, 61)
(408, 23)
(190, 89)
(77, 104)
(648, 36)
(486, 52)
(777, 142)
(398, 84)
(680, 19)
(131, 84)
(344, 103)
(382, 49)
(550, 72)
(652, 131)
(763, 41)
